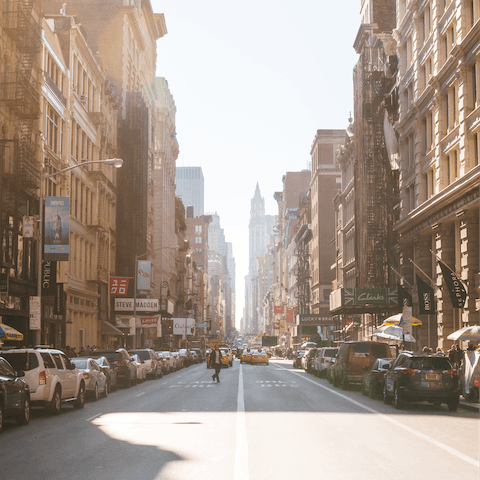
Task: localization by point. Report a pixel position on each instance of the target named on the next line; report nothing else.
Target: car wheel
(105, 390)
(80, 401)
(345, 384)
(24, 416)
(397, 398)
(94, 395)
(371, 392)
(386, 399)
(453, 404)
(56, 402)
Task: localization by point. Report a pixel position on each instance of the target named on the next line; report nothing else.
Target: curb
(473, 407)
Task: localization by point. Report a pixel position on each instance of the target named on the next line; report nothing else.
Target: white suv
(51, 377)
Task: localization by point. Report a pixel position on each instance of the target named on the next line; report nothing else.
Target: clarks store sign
(357, 297)
(143, 305)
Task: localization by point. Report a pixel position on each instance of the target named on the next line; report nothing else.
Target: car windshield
(429, 363)
(329, 352)
(80, 363)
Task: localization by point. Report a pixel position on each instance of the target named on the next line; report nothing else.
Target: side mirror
(20, 373)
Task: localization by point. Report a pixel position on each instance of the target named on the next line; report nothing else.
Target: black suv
(416, 377)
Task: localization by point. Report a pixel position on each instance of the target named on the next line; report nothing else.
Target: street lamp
(116, 162)
(137, 257)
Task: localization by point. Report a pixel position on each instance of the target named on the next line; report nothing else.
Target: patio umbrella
(393, 332)
(308, 345)
(398, 320)
(466, 333)
(9, 333)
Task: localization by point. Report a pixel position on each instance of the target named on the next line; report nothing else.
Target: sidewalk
(473, 407)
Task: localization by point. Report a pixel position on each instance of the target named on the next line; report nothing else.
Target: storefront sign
(143, 305)
(119, 286)
(144, 322)
(320, 319)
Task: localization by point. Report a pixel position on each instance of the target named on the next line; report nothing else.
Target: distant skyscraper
(190, 188)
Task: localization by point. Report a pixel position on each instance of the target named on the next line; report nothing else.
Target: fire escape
(18, 90)
(377, 176)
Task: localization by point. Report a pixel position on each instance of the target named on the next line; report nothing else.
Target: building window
(451, 168)
(473, 85)
(53, 126)
(429, 184)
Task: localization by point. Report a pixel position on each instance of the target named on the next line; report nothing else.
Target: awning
(109, 329)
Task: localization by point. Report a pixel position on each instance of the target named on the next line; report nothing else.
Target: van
(353, 357)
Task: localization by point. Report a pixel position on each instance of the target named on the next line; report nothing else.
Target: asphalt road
(260, 422)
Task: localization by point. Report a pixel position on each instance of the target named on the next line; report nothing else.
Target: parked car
(14, 395)
(297, 359)
(372, 383)
(169, 359)
(51, 377)
(184, 357)
(120, 359)
(164, 363)
(178, 360)
(353, 357)
(323, 360)
(194, 356)
(421, 377)
(199, 354)
(152, 362)
(308, 358)
(260, 356)
(95, 380)
(108, 370)
(140, 366)
(330, 368)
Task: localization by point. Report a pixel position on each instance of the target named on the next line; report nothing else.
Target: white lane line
(140, 394)
(241, 452)
(431, 440)
(91, 418)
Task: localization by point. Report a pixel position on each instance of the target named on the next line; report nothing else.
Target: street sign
(202, 325)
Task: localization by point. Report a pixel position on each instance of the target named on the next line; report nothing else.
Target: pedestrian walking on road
(216, 362)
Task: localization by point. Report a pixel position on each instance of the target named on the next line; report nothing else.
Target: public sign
(289, 315)
(426, 297)
(57, 229)
(278, 309)
(124, 321)
(35, 313)
(458, 294)
(143, 305)
(119, 286)
(144, 268)
(49, 278)
(407, 320)
(319, 319)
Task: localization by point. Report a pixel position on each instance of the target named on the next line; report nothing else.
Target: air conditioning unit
(83, 98)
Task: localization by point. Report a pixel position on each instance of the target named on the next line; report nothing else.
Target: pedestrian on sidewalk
(216, 362)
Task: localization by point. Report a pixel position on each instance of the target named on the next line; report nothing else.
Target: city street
(260, 422)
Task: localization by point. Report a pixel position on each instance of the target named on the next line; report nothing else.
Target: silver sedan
(95, 380)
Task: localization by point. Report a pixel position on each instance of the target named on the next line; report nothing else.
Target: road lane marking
(421, 435)
(140, 394)
(241, 451)
(91, 418)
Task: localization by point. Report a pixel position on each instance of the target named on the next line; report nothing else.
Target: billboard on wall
(57, 229)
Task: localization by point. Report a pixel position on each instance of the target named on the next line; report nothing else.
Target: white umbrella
(393, 332)
(466, 333)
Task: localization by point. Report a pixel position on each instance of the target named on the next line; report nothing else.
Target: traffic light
(221, 322)
(192, 328)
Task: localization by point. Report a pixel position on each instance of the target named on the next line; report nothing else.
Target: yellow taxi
(227, 353)
(246, 356)
(259, 356)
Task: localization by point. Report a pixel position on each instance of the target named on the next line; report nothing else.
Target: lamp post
(116, 162)
(137, 257)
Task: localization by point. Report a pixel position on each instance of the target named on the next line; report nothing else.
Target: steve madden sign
(143, 305)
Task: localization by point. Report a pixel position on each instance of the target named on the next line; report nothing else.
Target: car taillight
(453, 373)
(42, 378)
(408, 371)
(86, 375)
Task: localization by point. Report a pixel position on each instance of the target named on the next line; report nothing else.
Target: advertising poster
(144, 268)
(57, 230)
(119, 285)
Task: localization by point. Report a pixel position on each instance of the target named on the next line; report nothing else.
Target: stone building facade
(439, 127)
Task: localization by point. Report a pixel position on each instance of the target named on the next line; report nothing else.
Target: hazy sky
(252, 82)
